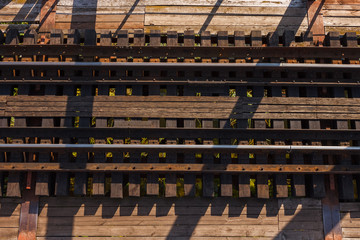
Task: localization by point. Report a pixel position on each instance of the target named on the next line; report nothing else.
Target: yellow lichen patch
(19, 1)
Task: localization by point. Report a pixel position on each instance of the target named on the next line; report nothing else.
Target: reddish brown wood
(28, 215)
(316, 21)
(47, 15)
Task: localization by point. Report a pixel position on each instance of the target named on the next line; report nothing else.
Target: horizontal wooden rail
(190, 107)
(136, 132)
(175, 52)
(181, 168)
(177, 148)
(149, 65)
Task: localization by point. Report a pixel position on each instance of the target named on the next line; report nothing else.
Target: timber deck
(208, 119)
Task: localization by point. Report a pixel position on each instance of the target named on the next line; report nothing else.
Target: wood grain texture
(183, 107)
(195, 218)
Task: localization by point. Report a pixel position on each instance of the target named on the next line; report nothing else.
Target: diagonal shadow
(210, 16)
(4, 3)
(293, 15)
(43, 20)
(128, 14)
(28, 13)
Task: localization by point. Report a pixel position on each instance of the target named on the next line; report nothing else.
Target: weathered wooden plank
(101, 3)
(172, 210)
(62, 180)
(207, 179)
(231, 3)
(261, 179)
(101, 25)
(226, 179)
(232, 11)
(157, 221)
(338, 21)
(100, 19)
(42, 179)
(232, 28)
(225, 20)
(161, 231)
(284, 204)
(152, 184)
(8, 233)
(134, 178)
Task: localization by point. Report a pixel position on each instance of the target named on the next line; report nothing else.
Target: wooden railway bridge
(205, 119)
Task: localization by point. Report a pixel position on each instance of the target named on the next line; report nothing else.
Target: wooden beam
(316, 21)
(181, 168)
(29, 214)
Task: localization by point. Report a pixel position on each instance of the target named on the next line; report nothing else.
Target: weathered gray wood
(30, 37)
(155, 38)
(226, 179)
(189, 38)
(208, 179)
(256, 38)
(346, 187)
(99, 178)
(14, 185)
(223, 40)
(280, 179)
(261, 179)
(172, 38)
(56, 36)
(350, 39)
(122, 38)
(318, 184)
(139, 38)
(297, 158)
(333, 39)
(62, 180)
(42, 179)
(105, 38)
(116, 186)
(134, 178)
(206, 39)
(170, 178)
(81, 178)
(152, 184)
(239, 38)
(189, 179)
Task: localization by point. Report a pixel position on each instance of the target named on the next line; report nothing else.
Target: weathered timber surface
(25, 14)
(350, 220)
(9, 218)
(64, 218)
(204, 15)
(341, 16)
(180, 107)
